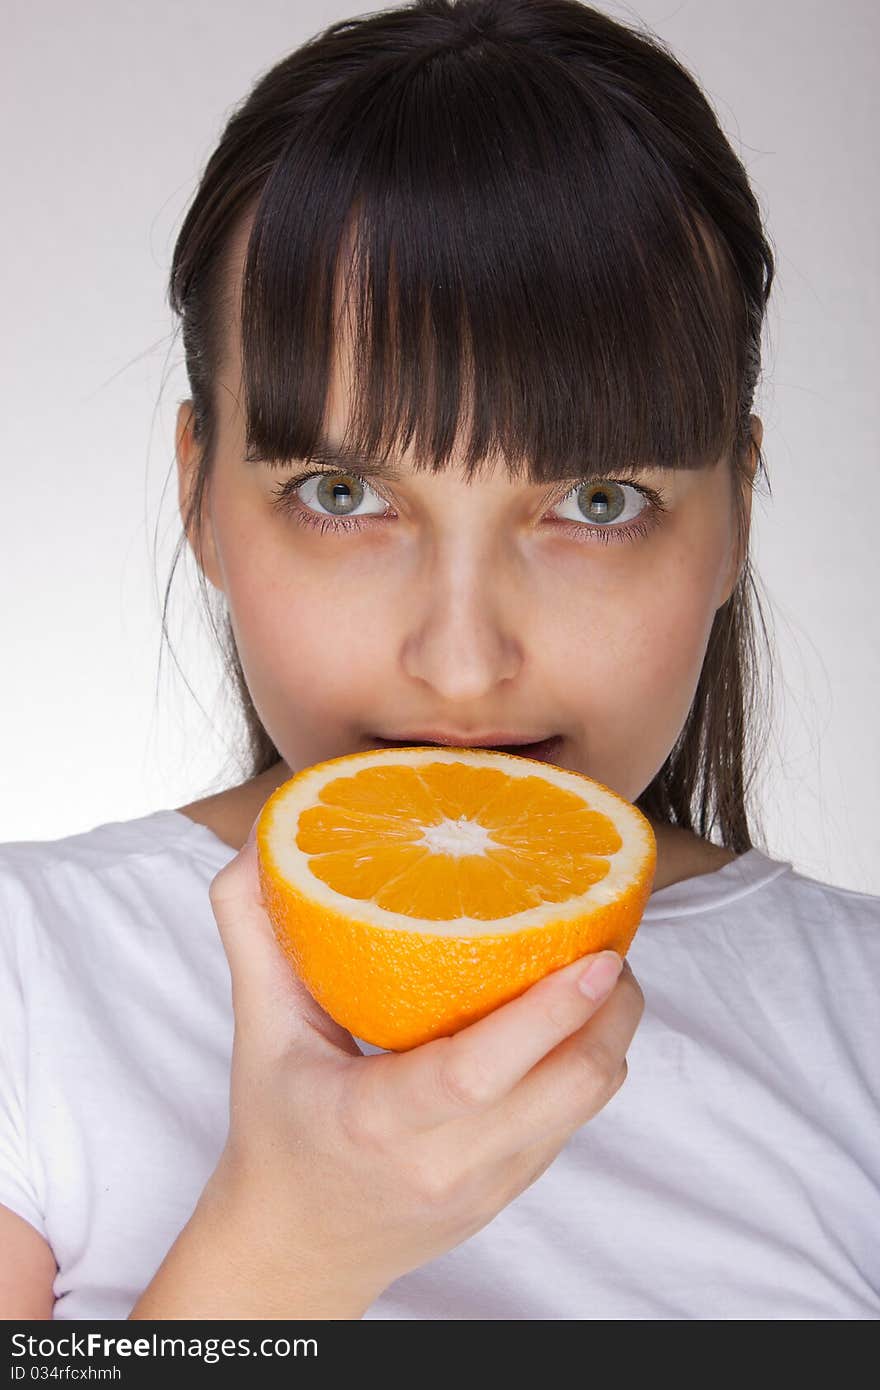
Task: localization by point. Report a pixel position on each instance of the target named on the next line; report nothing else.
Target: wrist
(273, 1265)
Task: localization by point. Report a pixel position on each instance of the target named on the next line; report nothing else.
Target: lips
(544, 751)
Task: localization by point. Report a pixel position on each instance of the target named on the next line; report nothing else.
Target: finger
(472, 1071)
(569, 1086)
(274, 1011)
(523, 1168)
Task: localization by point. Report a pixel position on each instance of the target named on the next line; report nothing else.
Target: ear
(188, 454)
(738, 555)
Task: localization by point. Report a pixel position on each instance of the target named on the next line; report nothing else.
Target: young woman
(472, 297)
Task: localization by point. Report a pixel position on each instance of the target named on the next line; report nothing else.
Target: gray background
(110, 111)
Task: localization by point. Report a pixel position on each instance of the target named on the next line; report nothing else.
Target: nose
(463, 634)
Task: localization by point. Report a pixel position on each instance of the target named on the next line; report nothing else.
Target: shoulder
(794, 906)
(783, 928)
(816, 899)
(109, 846)
(62, 895)
(820, 941)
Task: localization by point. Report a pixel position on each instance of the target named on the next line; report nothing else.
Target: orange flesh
(540, 843)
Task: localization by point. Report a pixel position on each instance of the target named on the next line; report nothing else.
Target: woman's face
(463, 608)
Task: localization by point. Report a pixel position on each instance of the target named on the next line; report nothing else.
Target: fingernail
(600, 976)
(253, 830)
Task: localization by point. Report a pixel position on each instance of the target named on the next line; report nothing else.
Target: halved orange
(416, 889)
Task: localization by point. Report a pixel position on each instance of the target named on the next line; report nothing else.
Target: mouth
(544, 751)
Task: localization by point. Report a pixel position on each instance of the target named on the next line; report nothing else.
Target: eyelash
(285, 500)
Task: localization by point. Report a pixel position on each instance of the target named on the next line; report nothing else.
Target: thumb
(273, 1008)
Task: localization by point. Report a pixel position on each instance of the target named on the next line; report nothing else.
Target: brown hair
(547, 219)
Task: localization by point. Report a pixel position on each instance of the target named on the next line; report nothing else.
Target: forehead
(624, 442)
(342, 370)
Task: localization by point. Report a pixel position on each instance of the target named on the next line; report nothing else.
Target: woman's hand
(348, 1171)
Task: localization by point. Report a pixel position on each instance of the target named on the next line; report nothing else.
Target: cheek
(631, 633)
(674, 615)
(298, 605)
(666, 645)
(652, 606)
(640, 664)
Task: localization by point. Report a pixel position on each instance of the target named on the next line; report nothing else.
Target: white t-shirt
(736, 1173)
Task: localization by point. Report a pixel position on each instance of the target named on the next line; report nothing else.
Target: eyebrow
(326, 454)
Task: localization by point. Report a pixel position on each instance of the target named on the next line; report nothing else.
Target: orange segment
(439, 853)
(416, 889)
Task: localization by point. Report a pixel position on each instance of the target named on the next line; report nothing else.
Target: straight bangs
(520, 267)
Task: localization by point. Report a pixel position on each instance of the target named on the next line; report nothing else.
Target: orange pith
(416, 889)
